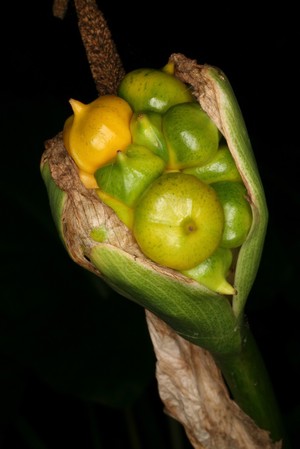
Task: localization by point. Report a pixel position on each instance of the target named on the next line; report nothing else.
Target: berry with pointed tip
(213, 272)
(96, 131)
(130, 173)
(146, 129)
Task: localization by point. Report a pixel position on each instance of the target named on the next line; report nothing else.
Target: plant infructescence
(154, 187)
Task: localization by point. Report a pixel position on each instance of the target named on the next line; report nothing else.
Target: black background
(43, 64)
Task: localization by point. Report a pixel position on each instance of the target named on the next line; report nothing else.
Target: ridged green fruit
(130, 173)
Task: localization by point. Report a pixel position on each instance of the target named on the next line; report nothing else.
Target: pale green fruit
(237, 211)
(220, 168)
(124, 212)
(191, 136)
(213, 271)
(178, 221)
(155, 90)
(130, 174)
(146, 129)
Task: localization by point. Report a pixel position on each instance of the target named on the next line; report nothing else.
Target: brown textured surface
(193, 392)
(194, 74)
(83, 211)
(59, 8)
(106, 66)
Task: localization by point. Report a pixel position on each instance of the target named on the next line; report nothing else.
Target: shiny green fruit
(237, 212)
(191, 136)
(220, 168)
(213, 271)
(146, 129)
(178, 221)
(130, 173)
(155, 90)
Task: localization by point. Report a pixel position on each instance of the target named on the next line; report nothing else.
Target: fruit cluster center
(158, 160)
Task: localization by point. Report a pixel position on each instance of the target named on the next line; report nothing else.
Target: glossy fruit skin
(154, 156)
(131, 172)
(124, 212)
(220, 168)
(237, 212)
(96, 131)
(148, 89)
(146, 129)
(192, 137)
(213, 271)
(178, 221)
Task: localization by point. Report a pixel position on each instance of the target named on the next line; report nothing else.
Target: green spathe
(199, 315)
(57, 199)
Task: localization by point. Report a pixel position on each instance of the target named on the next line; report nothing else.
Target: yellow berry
(96, 131)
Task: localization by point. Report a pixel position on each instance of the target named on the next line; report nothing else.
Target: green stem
(249, 383)
(29, 434)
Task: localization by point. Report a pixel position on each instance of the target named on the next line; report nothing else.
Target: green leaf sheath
(245, 372)
(197, 314)
(239, 143)
(250, 386)
(57, 198)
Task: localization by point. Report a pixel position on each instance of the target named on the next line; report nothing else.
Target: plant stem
(247, 378)
(29, 434)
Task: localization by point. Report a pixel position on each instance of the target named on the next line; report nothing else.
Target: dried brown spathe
(193, 392)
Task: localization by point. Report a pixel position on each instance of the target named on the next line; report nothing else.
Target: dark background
(76, 366)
